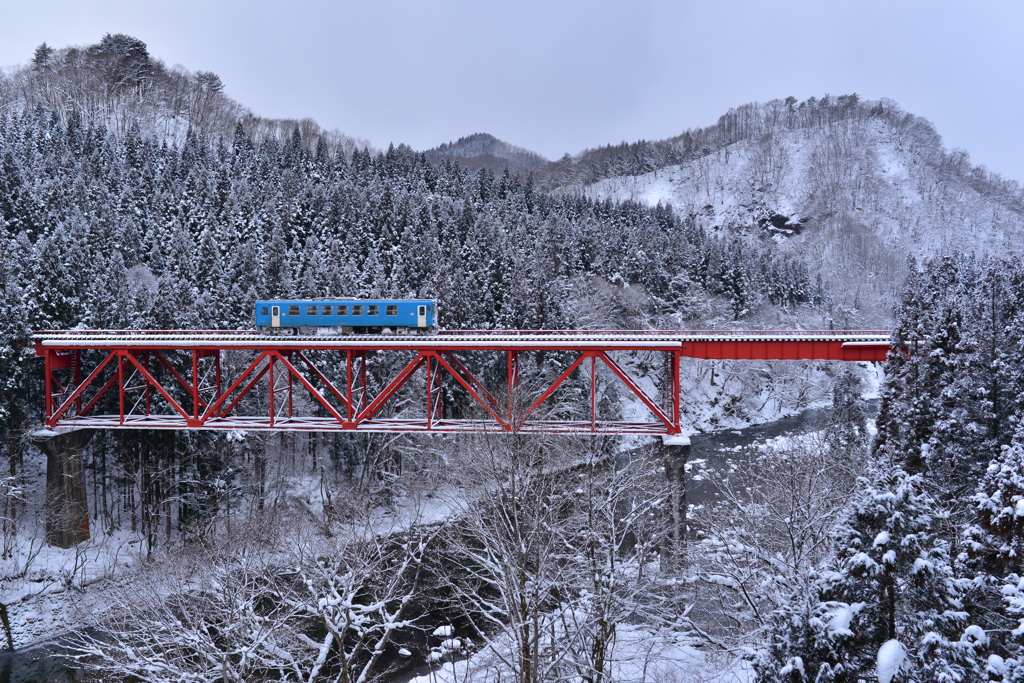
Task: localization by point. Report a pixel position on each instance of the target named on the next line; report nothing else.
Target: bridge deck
(753, 345)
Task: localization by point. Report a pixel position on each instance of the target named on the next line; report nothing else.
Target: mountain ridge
(118, 83)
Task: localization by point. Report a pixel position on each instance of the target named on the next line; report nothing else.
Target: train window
(311, 310)
(264, 310)
(328, 310)
(342, 310)
(357, 310)
(293, 310)
(391, 309)
(373, 309)
(430, 308)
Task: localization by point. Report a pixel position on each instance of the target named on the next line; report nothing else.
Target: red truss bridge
(243, 380)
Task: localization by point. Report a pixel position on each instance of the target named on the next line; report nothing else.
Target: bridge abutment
(67, 505)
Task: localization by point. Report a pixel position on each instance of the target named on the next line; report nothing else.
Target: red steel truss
(182, 380)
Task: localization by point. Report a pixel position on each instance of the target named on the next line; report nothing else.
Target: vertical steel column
(438, 395)
(362, 373)
(216, 381)
(48, 371)
(290, 392)
(348, 384)
(195, 384)
(120, 384)
(513, 380)
(430, 398)
(271, 357)
(676, 400)
(593, 393)
(149, 387)
(77, 363)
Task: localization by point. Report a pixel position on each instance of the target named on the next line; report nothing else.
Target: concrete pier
(67, 505)
(675, 452)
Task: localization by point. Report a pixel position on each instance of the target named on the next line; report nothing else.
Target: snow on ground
(639, 656)
(47, 589)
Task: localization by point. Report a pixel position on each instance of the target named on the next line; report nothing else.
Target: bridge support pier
(675, 452)
(67, 505)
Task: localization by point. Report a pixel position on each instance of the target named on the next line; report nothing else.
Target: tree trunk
(67, 504)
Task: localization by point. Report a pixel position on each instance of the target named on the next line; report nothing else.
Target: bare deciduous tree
(771, 525)
(255, 610)
(553, 547)
(222, 620)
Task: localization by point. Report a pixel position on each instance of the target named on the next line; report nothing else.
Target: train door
(422, 320)
(275, 316)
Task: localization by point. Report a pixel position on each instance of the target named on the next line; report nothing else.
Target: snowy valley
(880, 540)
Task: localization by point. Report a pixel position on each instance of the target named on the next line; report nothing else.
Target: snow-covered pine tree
(892, 581)
(1000, 504)
(14, 352)
(954, 378)
(994, 551)
(108, 306)
(52, 294)
(931, 414)
(807, 639)
(902, 422)
(275, 265)
(847, 425)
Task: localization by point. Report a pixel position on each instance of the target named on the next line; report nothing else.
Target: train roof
(343, 298)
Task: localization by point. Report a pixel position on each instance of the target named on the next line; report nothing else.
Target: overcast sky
(560, 76)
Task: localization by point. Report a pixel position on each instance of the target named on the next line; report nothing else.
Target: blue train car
(347, 316)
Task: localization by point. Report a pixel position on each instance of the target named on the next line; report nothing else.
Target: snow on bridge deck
(745, 344)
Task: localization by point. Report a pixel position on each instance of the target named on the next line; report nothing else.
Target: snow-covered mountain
(118, 84)
(855, 187)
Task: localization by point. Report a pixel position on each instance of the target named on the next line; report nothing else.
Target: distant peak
(483, 150)
(476, 140)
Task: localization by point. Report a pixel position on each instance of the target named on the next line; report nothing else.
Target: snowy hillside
(853, 196)
(118, 84)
